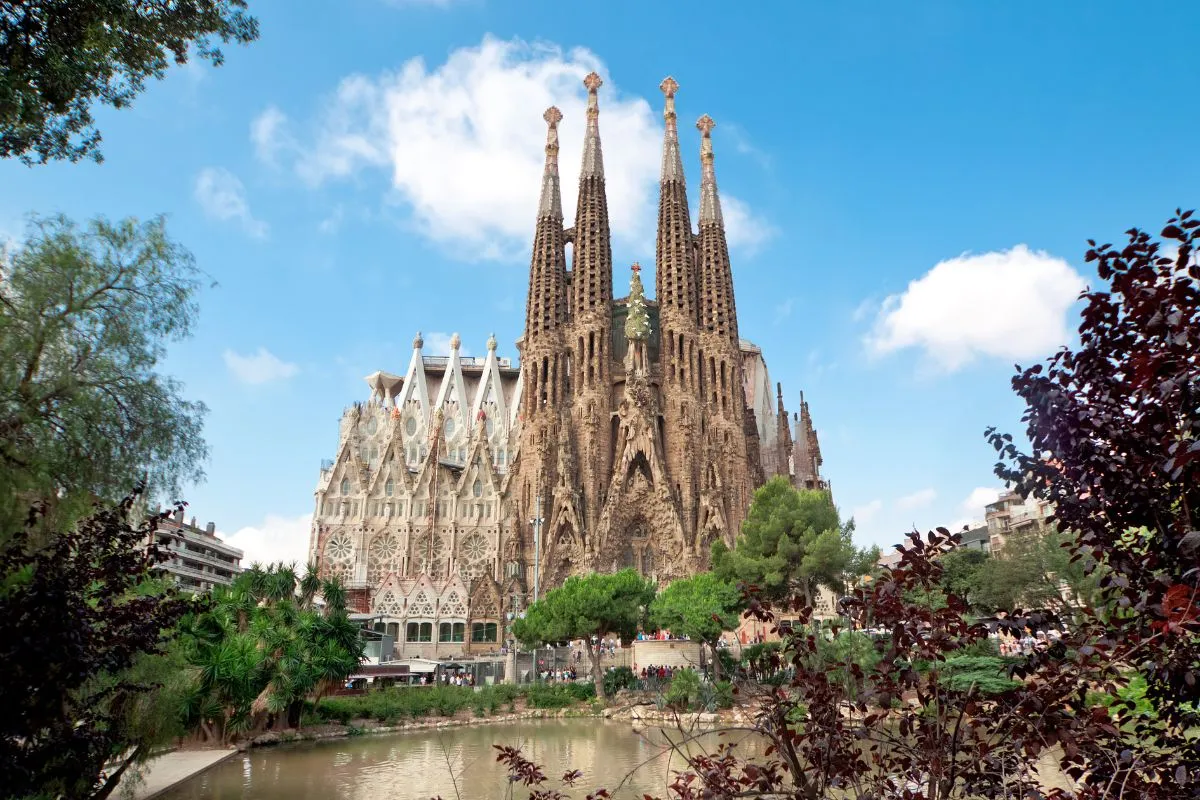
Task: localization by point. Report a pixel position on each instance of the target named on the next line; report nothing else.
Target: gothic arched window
(345, 486)
(389, 487)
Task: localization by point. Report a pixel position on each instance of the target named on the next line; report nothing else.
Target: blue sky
(909, 190)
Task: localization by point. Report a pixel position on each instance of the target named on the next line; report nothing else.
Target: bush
(583, 692)
(724, 694)
(684, 691)
(617, 679)
(542, 695)
(989, 674)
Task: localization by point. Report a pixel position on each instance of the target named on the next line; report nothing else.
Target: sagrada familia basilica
(633, 433)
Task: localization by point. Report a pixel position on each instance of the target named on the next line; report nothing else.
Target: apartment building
(196, 558)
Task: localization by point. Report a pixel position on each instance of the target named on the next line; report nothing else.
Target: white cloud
(268, 133)
(260, 367)
(463, 143)
(784, 309)
(1011, 304)
(276, 539)
(333, 222)
(916, 500)
(863, 515)
(743, 229)
(222, 196)
(438, 344)
(977, 499)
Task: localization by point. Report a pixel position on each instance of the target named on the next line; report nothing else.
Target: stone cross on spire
(551, 201)
(593, 161)
(710, 203)
(672, 164)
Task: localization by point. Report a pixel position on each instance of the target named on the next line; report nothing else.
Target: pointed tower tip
(551, 200)
(491, 342)
(593, 161)
(672, 164)
(710, 203)
(418, 342)
(455, 342)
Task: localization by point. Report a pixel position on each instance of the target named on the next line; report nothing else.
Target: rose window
(339, 548)
(429, 554)
(384, 552)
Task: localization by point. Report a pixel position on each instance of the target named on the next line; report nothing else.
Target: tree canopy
(701, 607)
(85, 314)
(59, 57)
(584, 606)
(76, 615)
(791, 539)
(264, 647)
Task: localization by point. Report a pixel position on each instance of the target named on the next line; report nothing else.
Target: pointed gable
(415, 388)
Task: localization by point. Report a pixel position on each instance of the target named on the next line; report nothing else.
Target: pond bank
(169, 770)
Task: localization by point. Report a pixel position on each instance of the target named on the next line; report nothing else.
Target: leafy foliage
(84, 317)
(58, 57)
(265, 647)
(81, 618)
(618, 678)
(792, 540)
(701, 607)
(588, 606)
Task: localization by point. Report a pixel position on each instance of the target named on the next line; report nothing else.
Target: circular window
(449, 426)
(410, 427)
(477, 488)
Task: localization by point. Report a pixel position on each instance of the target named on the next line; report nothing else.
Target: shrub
(684, 691)
(541, 695)
(724, 694)
(617, 679)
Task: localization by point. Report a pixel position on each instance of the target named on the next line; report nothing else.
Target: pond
(450, 762)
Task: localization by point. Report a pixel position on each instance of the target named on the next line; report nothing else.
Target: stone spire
(717, 311)
(591, 281)
(593, 159)
(550, 205)
(672, 161)
(710, 202)
(546, 307)
(675, 282)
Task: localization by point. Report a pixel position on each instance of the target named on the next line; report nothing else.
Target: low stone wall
(667, 653)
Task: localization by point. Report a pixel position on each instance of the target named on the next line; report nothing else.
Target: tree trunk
(294, 711)
(594, 656)
(112, 780)
(716, 662)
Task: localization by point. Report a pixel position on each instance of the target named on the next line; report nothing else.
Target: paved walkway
(169, 769)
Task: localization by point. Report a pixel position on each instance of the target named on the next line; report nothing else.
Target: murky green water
(452, 762)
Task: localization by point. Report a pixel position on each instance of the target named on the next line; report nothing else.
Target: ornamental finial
(669, 87)
(705, 125)
(491, 342)
(552, 116)
(454, 341)
(593, 82)
(418, 342)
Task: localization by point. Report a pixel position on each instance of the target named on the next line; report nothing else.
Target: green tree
(960, 572)
(584, 607)
(85, 314)
(792, 540)
(701, 607)
(1035, 570)
(264, 648)
(82, 624)
(59, 57)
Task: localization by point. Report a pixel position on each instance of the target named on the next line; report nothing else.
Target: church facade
(632, 434)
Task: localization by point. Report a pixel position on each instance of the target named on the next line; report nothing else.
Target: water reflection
(453, 762)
